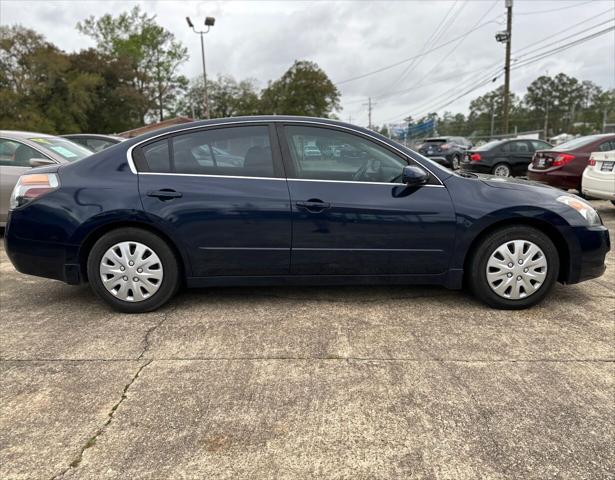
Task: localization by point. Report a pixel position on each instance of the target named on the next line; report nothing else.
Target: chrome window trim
(210, 176)
(133, 168)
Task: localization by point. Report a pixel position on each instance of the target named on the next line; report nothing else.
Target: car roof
(250, 119)
(93, 135)
(19, 134)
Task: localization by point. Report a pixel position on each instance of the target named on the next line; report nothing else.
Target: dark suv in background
(504, 158)
(447, 151)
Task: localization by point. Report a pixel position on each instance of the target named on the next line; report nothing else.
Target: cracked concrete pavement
(336, 382)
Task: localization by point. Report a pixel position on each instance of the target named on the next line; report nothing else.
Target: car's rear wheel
(514, 267)
(501, 170)
(455, 162)
(133, 270)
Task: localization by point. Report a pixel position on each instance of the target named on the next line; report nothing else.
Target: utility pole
(546, 120)
(492, 118)
(509, 4)
(370, 106)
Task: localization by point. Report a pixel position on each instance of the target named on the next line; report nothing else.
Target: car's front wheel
(133, 270)
(513, 267)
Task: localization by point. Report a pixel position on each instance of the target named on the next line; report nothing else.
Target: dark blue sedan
(240, 202)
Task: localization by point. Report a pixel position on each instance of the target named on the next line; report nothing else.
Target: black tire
(169, 283)
(455, 162)
(477, 265)
(613, 202)
(501, 166)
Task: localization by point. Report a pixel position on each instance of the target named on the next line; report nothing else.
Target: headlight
(32, 186)
(584, 208)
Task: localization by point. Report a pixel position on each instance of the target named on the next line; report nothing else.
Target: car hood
(518, 184)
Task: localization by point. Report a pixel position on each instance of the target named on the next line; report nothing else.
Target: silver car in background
(21, 151)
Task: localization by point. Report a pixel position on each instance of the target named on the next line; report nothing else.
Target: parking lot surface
(336, 382)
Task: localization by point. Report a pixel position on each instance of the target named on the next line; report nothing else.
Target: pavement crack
(151, 330)
(92, 440)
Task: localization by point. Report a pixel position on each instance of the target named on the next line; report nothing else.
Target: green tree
(153, 54)
(227, 98)
(40, 89)
(304, 89)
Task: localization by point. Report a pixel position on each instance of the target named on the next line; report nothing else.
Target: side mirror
(40, 162)
(414, 176)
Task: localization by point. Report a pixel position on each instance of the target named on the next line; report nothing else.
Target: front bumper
(594, 243)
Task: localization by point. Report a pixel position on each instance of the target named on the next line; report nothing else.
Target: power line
(416, 61)
(516, 52)
(536, 12)
(527, 61)
(405, 60)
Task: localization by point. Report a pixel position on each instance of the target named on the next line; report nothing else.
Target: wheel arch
(563, 249)
(99, 231)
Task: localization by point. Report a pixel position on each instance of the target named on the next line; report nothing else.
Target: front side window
(327, 154)
(232, 151)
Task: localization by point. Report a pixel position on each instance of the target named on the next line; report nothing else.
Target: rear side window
(157, 156)
(607, 146)
(538, 145)
(233, 151)
(15, 154)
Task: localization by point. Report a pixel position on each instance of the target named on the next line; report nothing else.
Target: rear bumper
(556, 178)
(594, 243)
(475, 167)
(598, 185)
(442, 159)
(43, 259)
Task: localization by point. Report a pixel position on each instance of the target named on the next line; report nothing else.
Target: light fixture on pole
(209, 22)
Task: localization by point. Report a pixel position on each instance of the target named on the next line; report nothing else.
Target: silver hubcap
(131, 271)
(516, 269)
(502, 171)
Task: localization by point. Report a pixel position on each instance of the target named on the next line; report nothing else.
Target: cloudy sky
(452, 43)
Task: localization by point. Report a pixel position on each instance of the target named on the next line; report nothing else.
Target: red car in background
(563, 166)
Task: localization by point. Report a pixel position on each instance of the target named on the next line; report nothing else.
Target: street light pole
(209, 22)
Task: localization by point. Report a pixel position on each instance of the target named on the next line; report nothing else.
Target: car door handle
(164, 194)
(314, 206)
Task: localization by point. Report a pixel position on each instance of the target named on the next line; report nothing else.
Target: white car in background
(599, 176)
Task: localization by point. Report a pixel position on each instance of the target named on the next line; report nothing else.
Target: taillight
(591, 162)
(32, 186)
(562, 159)
(475, 157)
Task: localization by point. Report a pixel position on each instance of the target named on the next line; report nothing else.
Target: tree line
(555, 105)
(131, 77)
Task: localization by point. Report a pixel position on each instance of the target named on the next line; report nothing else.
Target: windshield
(577, 143)
(61, 147)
